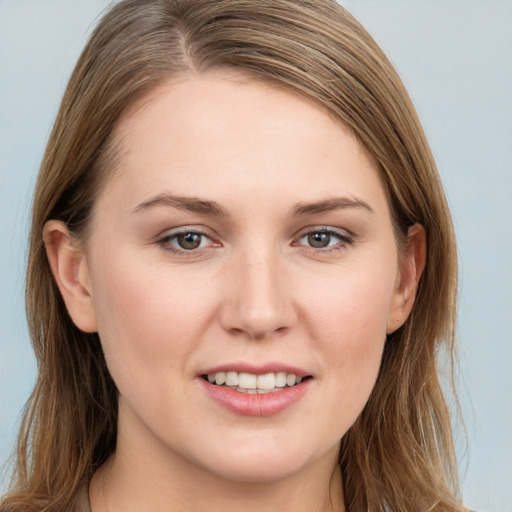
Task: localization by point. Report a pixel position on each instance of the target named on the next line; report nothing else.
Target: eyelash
(344, 240)
(166, 242)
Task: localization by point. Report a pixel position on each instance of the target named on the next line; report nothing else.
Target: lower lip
(267, 404)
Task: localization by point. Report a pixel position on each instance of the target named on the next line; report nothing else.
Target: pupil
(319, 239)
(189, 240)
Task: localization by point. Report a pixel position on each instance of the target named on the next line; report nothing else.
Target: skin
(255, 291)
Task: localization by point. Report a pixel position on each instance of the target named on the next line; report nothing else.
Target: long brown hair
(399, 455)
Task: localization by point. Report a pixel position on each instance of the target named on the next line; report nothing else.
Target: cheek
(148, 319)
(347, 317)
(351, 304)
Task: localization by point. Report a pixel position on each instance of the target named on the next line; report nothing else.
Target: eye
(189, 241)
(186, 241)
(319, 240)
(325, 239)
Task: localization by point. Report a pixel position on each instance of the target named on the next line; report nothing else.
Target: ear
(411, 265)
(69, 268)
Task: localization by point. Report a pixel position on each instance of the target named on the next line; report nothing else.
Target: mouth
(249, 390)
(255, 384)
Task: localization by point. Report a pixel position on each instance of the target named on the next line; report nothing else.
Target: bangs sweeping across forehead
(399, 453)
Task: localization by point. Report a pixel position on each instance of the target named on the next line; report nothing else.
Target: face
(242, 273)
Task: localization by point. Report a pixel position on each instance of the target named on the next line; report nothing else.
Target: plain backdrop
(456, 60)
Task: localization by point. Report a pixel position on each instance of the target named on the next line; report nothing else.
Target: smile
(251, 383)
(266, 390)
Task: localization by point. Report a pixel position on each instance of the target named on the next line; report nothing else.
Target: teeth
(231, 379)
(251, 383)
(247, 381)
(248, 391)
(290, 379)
(280, 380)
(267, 381)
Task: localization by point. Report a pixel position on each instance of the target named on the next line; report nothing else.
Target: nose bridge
(259, 301)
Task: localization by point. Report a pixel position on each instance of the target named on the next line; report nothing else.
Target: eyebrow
(205, 207)
(191, 204)
(328, 205)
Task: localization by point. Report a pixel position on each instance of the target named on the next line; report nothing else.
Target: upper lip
(257, 369)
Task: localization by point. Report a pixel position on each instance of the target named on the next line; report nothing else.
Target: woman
(241, 269)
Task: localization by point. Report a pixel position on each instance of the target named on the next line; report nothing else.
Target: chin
(257, 471)
(264, 463)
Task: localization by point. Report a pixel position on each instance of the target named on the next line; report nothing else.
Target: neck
(108, 493)
(142, 477)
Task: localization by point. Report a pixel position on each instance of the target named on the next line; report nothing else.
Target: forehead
(225, 131)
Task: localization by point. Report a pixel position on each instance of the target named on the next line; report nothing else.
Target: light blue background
(456, 59)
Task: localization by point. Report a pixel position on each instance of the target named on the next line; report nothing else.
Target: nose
(257, 296)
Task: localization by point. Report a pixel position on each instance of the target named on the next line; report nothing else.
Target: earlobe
(411, 266)
(70, 271)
